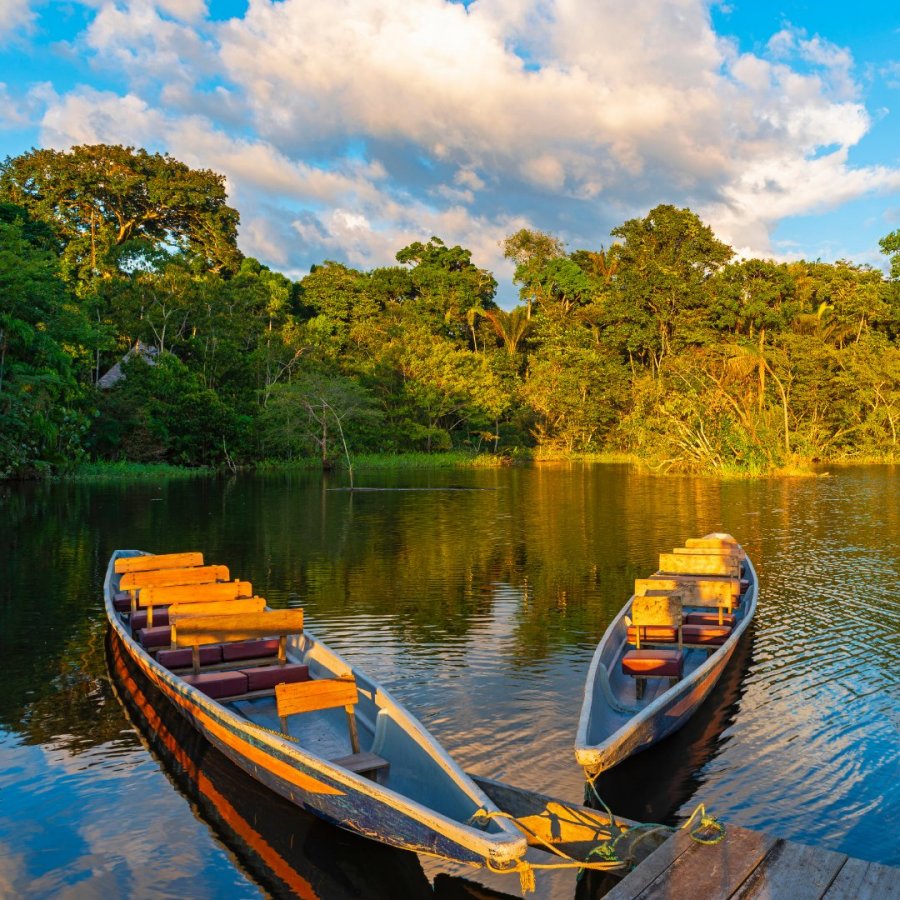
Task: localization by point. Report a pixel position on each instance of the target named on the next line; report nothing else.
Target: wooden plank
(309, 696)
(695, 591)
(195, 593)
(707, 551)
(133, 581)
(861, 880)
(701, 870)
(178, 611)
(652, 868)
(194, 631)
(792, 871)
(159, 561)
(716, 542)
(700, 564)
(362, 762)
(716, 870)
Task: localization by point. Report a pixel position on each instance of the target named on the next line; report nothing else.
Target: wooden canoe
(416, 798)
(615, 724)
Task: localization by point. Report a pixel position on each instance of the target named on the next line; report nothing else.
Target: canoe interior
(615, 723)
(410, 766)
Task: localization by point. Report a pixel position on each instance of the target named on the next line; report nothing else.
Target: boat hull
(667, 713)
(332, 793)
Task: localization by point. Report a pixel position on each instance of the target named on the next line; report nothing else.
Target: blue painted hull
(331, 792)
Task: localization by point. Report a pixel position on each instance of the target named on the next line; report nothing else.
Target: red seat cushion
(655, 634)
(745, 583)
(653, 663)
(262, 678)
(219, 684)
(249, 649)
(138, 618)
(182, 658)
(709, 618)
(157, 636)
(122, 601)
(706, 635)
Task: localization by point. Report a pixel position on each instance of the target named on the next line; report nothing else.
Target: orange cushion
(653, 663)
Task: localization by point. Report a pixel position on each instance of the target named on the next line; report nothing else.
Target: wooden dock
(748, 864)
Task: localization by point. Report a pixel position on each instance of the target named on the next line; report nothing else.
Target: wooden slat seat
(150, 562)
(163, 595)
(312, 696)
(194, 631)
(369, 764)
(136, 581)
(699, 564)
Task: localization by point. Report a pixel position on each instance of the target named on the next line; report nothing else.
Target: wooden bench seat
(150, 562)
(368, 764)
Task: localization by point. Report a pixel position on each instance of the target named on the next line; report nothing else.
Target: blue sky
(348, 129)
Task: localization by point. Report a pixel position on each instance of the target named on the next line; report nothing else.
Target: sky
(347, 129)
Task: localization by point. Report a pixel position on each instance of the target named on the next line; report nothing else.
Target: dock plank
(861, 880)
(792, 871)
(684, 868)
(654, 866)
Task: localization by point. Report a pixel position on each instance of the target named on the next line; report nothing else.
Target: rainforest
(133, 330)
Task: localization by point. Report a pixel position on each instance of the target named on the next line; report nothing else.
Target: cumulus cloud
(354, 127)
(16, 19)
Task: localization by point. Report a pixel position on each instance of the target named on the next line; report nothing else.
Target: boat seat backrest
(657, 607)
(135, 581)
(163, 595)
(321, 693)
(695, 591)
(193, 631)
(216, 608)
(148, 563)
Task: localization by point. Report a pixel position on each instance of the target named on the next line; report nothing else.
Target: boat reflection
(654, 784)
(288, 852)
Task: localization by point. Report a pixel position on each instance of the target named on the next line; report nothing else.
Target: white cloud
(16, 19)
(353, 127)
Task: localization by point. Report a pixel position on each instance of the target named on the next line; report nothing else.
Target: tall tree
(100, 197)
(661, 286)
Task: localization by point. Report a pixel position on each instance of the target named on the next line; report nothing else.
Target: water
(478, 600)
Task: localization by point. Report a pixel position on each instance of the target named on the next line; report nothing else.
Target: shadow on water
(652, 785)
(288, 852)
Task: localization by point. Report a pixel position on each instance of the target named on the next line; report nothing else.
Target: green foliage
(100, 198)
(658, 347)
(43, 333)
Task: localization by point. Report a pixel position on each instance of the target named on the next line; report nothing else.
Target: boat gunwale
(501, 849)
(587, 754)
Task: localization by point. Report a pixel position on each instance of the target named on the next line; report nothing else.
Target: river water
(477, 597)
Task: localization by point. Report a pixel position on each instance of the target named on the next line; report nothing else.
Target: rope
(710, 831)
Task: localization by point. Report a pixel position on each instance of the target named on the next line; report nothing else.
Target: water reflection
(480, 610)
(289, 852)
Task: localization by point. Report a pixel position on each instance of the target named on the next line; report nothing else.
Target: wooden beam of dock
(747, 864)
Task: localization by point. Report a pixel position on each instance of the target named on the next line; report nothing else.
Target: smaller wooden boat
(295, 716)
(665, 650)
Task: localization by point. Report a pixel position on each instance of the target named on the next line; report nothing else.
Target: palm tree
(511, 327)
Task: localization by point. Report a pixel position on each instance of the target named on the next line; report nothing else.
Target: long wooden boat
(295, 716)
(665, 650)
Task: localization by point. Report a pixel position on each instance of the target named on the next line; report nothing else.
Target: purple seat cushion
(219, 684)
(708, 618)
(249, 649)
(706, 635)
(138, 618)
(157, 636)
(182, 658)
(122, 601)
(653, 663)
(262, 678)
